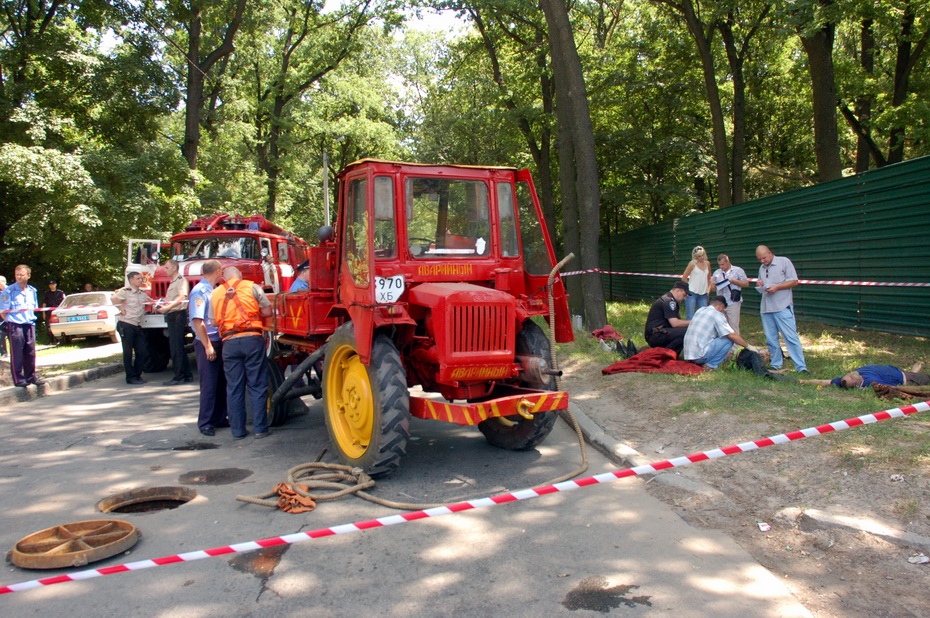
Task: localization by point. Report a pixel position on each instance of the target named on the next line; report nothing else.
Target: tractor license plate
(389, 289)
(78, 318)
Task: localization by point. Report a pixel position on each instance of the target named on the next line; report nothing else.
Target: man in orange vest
(238, 309)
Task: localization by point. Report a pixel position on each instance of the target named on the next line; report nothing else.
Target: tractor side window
(447, 218)
(505, 212)
(356, 231)
(385, 228)
(535, 256)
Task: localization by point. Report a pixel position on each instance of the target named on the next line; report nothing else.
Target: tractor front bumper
(518, 402)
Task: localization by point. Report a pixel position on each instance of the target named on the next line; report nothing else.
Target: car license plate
(78, 318)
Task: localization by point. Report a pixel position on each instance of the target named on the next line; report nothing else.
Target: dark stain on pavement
(219, 476)
(261, 562)
(592, 594)
(195, 446)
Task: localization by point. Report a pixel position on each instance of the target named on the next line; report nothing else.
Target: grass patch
(58, 370)
(830, 351)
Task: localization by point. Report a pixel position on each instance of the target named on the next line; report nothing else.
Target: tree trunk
(703, 41)
(819, 48)
(197, 70)
(735, 61)
(904, 64)
(194, 104)
(571, 233)
(571, 94)
(864, 103)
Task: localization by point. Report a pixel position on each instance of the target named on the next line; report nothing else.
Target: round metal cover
(75, 544)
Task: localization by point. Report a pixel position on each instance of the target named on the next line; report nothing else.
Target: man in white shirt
(730, 281)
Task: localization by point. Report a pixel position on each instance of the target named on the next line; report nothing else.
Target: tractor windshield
(447, 218)
(216, 247)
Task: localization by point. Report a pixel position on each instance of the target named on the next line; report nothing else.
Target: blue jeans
(693, 302)
(244, 365)
(716, 353)
(783, 322)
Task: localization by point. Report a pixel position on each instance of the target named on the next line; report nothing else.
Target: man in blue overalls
(18, 303)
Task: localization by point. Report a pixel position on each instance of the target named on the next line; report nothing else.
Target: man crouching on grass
(710, 337)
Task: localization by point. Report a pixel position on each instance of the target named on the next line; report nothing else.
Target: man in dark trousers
(131, 301)
(175, 310)
(664, 327)
(238, 309)
(209, 350)
(51, 300)
(18, 303)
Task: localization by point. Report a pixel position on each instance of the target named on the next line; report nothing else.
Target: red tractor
(432, 277)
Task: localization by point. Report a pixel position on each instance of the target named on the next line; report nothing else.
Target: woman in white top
(697, 276)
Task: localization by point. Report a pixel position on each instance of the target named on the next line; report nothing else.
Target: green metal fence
(870, 227)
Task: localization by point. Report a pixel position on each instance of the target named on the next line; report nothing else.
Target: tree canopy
(127, 118)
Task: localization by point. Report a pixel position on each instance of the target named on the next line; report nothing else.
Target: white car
(89, 314)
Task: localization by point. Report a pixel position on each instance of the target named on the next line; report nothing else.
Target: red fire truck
(264, 252)
(434, 276)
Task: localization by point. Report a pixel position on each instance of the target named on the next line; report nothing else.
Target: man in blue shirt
(209, 350)
(709, 336)
(302, 282)
(875, 374)
(776, 278)
(18, 303)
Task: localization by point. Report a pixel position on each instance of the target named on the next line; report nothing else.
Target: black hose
(302, 368)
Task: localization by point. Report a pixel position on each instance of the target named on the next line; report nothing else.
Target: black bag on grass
(754, 363)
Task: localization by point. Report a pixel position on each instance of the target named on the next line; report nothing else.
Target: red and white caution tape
(469, 505)
(42, 309)
(887, 284)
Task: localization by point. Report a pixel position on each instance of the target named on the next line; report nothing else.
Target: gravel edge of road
(805, 519)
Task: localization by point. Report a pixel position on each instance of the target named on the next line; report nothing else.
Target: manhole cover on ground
(75, 544)
(220, 476)
(147, 500)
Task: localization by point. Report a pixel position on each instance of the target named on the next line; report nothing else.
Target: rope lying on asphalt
(297, 495)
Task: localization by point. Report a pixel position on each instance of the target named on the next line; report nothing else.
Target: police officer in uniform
(18, 303)
(51, 300)
(238, 309)
(664, 327)
(302, 280)
(208, 347)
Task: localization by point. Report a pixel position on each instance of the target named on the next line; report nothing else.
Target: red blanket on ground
(608, 332)
(654, 360)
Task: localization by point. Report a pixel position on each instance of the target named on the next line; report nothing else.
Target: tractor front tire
(367, 408)
(515, 433)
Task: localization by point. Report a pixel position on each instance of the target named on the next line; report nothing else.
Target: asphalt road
(607, 548)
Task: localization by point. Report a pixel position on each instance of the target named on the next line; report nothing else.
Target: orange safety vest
(236, 310)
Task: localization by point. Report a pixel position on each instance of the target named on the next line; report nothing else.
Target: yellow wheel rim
(350, 405)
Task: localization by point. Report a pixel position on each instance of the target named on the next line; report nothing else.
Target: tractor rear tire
(279, 413)
(159, 350)
(367, 408)
(517, 433)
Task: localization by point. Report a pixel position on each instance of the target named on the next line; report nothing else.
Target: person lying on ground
(876, 374)
(710, 337)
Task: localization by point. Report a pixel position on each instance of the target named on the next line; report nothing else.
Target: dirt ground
(833, 572)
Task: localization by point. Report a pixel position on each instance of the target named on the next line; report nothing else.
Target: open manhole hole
(147, 500)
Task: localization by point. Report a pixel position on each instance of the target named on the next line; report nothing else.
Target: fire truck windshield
(217, 247)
